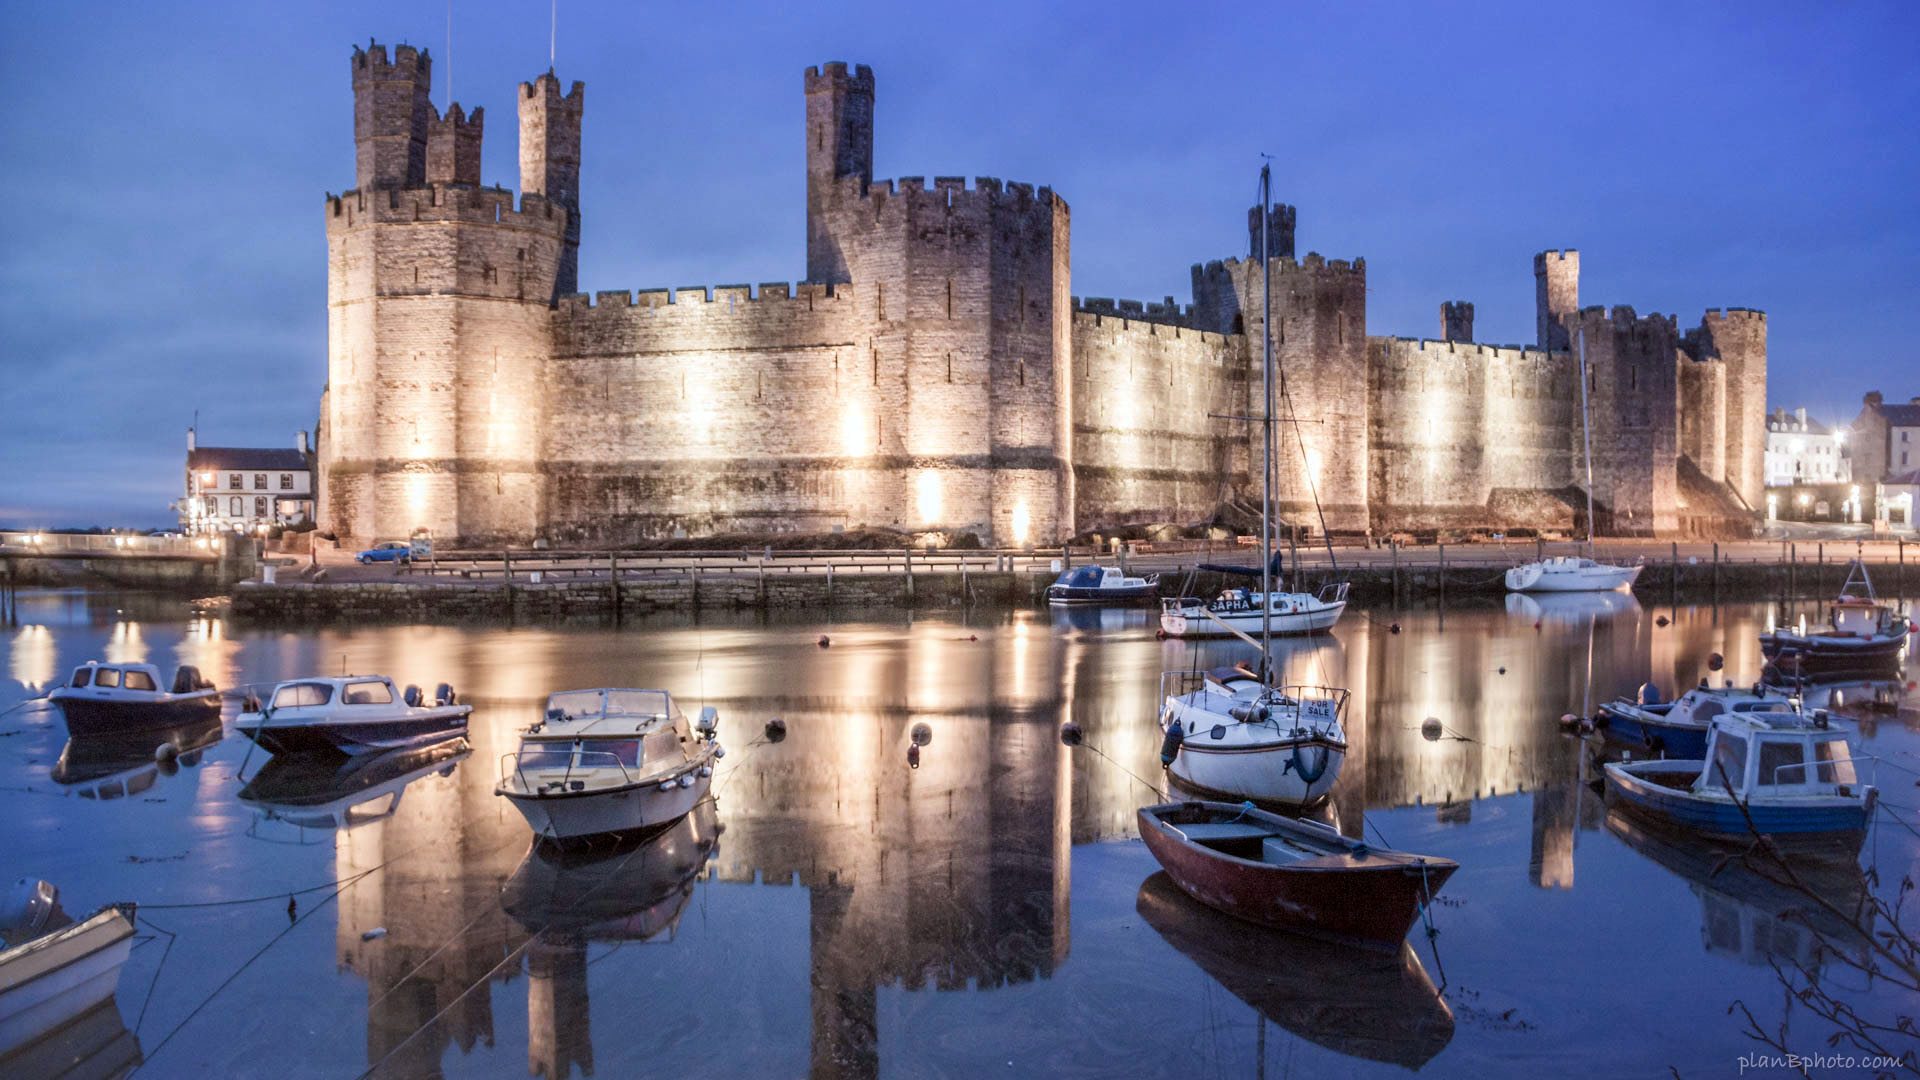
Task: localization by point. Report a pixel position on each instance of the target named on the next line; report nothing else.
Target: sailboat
(1575, 573)
(1230, 731)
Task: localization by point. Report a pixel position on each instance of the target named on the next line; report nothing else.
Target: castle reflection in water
(950, 876)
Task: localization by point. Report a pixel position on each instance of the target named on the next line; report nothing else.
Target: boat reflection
(93, 1046)
(1352, 1001)
(326, 790)
(629, 891)
(1567, 608)
(115, 766)
(1093, 618)
(1745, 903)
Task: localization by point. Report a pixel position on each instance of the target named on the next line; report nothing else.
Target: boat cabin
(131, 680)
(347, 690)
(623, 733)
(1764, 755)
(1852, 616)
(1702, 703)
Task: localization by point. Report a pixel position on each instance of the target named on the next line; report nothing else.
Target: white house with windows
(1802, 451)
(245, 489)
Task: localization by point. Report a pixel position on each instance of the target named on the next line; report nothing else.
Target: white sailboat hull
(1550, 577)
(1307, 615)
(1252, 761)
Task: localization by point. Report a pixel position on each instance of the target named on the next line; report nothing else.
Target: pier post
(1394, 545)
(1443, 575)
(1716, 571)
(829, 583)
(909, 576)
(1793, 566)
(613, 582)
(1673, 578)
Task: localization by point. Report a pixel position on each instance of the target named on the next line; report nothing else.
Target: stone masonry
(934, 371)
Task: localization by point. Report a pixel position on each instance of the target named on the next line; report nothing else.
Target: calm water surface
(834, 912)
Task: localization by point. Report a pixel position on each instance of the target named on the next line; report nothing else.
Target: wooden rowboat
(1291, 874)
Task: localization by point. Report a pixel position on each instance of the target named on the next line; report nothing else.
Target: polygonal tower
(1556, 295)
(1737, 337)
(438, 325)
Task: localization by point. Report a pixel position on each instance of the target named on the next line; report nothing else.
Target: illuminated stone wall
(1452, 423)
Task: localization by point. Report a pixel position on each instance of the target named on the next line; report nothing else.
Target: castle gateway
(934, 372)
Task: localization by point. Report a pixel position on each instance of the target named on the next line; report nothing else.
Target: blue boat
(1100, 585)
(1796, 779)
(1679, 729)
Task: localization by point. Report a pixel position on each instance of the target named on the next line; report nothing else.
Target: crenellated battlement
(1124, 323)
(1313, 264)
(1541, 259)
(546, 87)
(954, 191)
(1166, 311)
(443, 203)
(1623, 315)
(835, 75)
(1735, 314)
(1507, 354)
(453, 145)
(810, 293)
(370, 65)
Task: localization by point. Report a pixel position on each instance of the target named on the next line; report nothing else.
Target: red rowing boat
(1292, 874)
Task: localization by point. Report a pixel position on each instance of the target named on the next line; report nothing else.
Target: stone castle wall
(1147, 445)
(934, 372)
(1452, 423)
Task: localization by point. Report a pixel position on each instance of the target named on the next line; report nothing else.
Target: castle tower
(390, 111)
(453, 146)
(1320, 349)
(1280, 222)
(1556, 295)
(839, 157)
(1631, 394)
(1456, 321)
(1737, 337)
(550, 161)
(439, 328)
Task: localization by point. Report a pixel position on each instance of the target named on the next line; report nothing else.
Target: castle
(933, 372)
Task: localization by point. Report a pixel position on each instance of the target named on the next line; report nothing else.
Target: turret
(1556, 295)
(1456, 321)
(453, 146)
(839, 150)
(550, 161)
(390, 111)
(1737, 337)
(1280, 220)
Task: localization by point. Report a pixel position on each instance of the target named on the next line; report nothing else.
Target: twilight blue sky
(167, 163)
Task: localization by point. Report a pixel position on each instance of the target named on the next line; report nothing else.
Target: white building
(1800, 451)
(244, 489)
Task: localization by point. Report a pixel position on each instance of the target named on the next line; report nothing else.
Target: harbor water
(835, 911)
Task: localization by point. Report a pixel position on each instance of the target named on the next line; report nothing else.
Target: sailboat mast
(1586, 436)
(1266, 430)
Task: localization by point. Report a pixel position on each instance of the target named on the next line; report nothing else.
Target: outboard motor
(444, 695)
(186, 679)
(412, 696)
(32, 908)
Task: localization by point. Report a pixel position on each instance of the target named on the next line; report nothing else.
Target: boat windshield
(81, 676)
(1730, 754)
(1833, 762)
(106, 676)
(545, 754)
(616, 703)
(1781, 762)
(301, 695)
(603, 752)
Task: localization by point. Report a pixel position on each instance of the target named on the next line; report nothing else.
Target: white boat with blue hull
(350, 714)
(1100, 585)
(609, 761)
(104, 699)
(1679, 729)
(1790, 779)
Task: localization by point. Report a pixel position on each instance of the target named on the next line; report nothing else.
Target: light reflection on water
(838, 913)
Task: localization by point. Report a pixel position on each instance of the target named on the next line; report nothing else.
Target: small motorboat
(1568, 573)
(115, 699)
(1863, 637)
(1378, 1006)
(1225, 732)
(54, 969)
(114, 766)
(1794, 778)
(330, 790)
(1679, 729)
(609, 761)
(1292, 874)
(1100, 585)
(351, 714)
